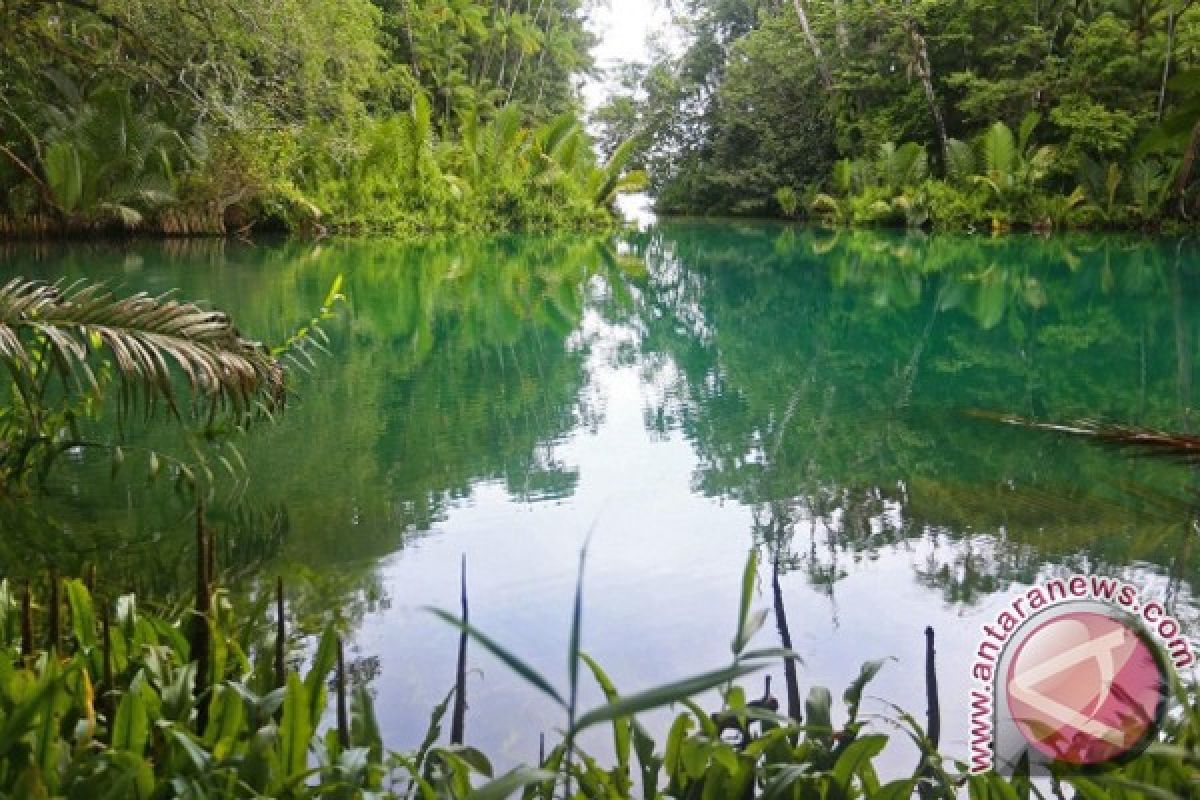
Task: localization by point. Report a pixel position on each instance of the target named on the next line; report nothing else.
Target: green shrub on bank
(1001, 181)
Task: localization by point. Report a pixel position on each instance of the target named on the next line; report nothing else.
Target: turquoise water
(677, 394)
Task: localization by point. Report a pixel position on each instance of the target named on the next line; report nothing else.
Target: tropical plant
(1013, 165)
(104, 161)
(201, 702)
(64, 346)
(788, 200)
(879, 191)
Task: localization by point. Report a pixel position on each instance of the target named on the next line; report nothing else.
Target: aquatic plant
(101, 698)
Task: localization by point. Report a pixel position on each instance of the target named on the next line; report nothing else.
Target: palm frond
(152, 343)
(999, 149)
(609, 176)
(1028, 125)
(843, 176)
(1135, 440)
(960, 161)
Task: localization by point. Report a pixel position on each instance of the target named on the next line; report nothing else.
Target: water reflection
(684, 391)
(823, 378)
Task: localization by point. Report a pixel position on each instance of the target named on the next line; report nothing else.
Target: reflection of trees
(822, 378)
(457, 363)
(150, 554)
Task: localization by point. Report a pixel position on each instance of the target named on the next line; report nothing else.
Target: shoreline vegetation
(986, 115)
(102, 697)
(352, 117)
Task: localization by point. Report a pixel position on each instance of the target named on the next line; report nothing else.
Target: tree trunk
(920, 60)
(1166, 73)
(843, 33)
(1185, 168)
(1173, 17)
(815, 46)
(512, 87)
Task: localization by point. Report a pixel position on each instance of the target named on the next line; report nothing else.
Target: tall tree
(919, 60)
(815, 45)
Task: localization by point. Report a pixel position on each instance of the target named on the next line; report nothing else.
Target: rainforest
(211, 117)
(982, 114)
(599, 399)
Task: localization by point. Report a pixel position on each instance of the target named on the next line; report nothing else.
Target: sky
(623, 27)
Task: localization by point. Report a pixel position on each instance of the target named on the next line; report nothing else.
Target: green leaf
(896, 790)
(470, 756)
(663, 695)
(131, 727)
(780, 784)
(574, 644)
(853, 695)
(643, 746)
(64, 173)
(621, 726)
(83, 615)
(531, 676)
(745, 623)
(857, 755)
(675, 737)
(817, 709)
(364, 727)
(510, 782)
(323, 663)
(46, 705)
(295, 728)
(194, 752)
(226, 716)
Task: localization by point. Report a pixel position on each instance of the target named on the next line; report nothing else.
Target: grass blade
(509, 659)
(664, 695)
(510, 782)
(746, 626)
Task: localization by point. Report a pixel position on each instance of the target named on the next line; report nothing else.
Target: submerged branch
(1139, 441)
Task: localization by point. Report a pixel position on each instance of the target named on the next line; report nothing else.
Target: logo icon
(1084, 687)
(1075, 671)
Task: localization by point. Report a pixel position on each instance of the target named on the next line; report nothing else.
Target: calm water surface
(680, 393)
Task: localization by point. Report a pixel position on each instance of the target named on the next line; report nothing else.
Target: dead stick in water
(27, 622)
(934, 709)
(458, 720)
(343, 718)
(106, 641)
(55, 612)
(785, 638)
(933, 718)
(201, 646)
(280, 636)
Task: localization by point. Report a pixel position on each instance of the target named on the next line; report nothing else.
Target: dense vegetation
(208, 116)
(977, 114)
(201, 701)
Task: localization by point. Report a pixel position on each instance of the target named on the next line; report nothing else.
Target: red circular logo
(1085, 688)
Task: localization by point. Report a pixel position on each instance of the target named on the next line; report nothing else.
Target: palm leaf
(999, 149)
(1137, 441)
(960, 160)
(151, 342)
(609, 176)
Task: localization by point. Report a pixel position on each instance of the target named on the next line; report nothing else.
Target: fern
(998, 148)
(960, 161)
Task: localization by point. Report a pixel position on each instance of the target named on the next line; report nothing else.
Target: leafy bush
(201, 702)
(954, 207)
